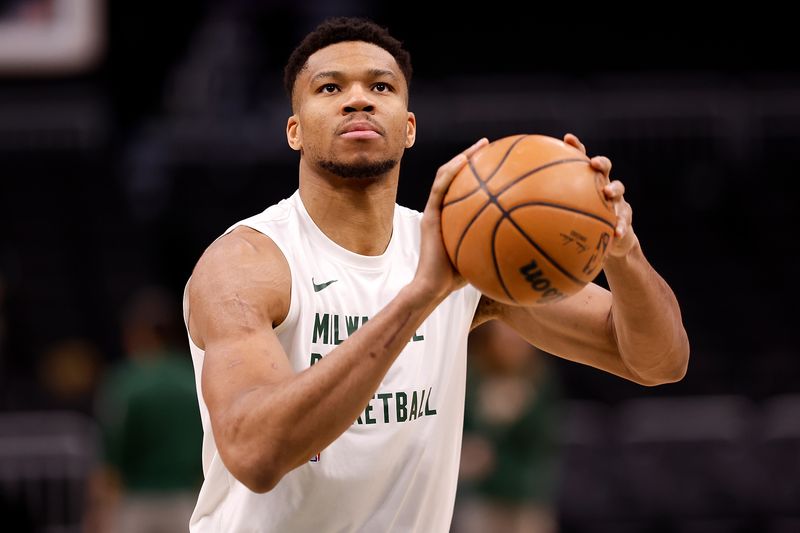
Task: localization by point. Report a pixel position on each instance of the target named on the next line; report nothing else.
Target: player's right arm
(266, 418)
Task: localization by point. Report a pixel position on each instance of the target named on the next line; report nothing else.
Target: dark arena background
(132, 134)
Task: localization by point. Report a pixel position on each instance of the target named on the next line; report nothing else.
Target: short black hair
(341, 29)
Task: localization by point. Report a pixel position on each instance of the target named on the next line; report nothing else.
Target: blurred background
(132, 134)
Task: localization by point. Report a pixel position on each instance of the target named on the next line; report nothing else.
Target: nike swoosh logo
(319, 287)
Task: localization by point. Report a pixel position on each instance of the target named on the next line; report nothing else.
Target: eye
(329, 88)
(382, 87)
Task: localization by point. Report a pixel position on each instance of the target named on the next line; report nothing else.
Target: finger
(448, 171)
(624, 219)
(444, 177)
(614, 190)
(483, 141)
(452, 167)
(573, 140)
(601, 163)
(622, 228)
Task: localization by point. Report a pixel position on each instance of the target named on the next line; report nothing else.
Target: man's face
(351, 111)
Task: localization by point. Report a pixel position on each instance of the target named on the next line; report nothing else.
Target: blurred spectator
(509, 454)
(69, 371)
(147, 407)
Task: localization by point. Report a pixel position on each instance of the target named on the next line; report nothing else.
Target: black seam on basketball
(464, 233)
(473, 191)
(503, 160)
(541, 251)
(481, 183)
(494, 259)
(505, 214)
(455, 201)
(565, 208)
(491, 174)
(537, 169)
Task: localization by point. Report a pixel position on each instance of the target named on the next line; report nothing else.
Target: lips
(360, 130)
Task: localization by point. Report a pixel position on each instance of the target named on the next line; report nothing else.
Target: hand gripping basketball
(435, 272)
(527, 221)
(625, 238)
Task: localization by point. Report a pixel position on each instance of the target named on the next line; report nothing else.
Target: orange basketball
(526, 221)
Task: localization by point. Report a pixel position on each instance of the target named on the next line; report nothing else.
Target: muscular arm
(267, 419)
(635, 331)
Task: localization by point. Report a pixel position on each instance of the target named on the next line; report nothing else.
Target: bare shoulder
(241, 277)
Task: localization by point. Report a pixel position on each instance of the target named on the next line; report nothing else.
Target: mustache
(364, 118)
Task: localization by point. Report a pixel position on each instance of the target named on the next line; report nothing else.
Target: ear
(293, 133)
(411, 130)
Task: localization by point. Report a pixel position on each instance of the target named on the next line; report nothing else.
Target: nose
(358, 99)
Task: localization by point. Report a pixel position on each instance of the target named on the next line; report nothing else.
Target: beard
(366, 170)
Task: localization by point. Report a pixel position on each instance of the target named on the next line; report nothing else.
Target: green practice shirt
(151, 424)
(526, 449)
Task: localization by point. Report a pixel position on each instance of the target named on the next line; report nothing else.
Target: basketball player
(329, 332)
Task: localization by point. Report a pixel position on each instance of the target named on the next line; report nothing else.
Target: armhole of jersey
(185, 302)
(186, 313)
(477, 295)
(294, 306)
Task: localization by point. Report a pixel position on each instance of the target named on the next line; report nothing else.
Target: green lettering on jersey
(336, 339)
(421, 403)
(427, 404)
(413, 411)
(401, 399)
(364, 320)
(321, 328)
(385, 397)
(417, 337)
(367, 411)
(358, 420)
(352, 324)
(315, 357)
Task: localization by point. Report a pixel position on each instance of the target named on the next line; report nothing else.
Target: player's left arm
(635, 331)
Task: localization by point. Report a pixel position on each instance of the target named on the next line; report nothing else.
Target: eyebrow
(338, 75)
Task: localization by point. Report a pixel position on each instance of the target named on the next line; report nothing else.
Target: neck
(354, 213)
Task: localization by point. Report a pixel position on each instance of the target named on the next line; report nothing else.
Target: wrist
(627, 249)
(422, 295)
(623, 260)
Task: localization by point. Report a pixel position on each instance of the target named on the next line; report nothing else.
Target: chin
(359, 168)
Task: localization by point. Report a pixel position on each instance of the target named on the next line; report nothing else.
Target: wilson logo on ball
(534, 276)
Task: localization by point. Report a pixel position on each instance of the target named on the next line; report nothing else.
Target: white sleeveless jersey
(396, 467)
